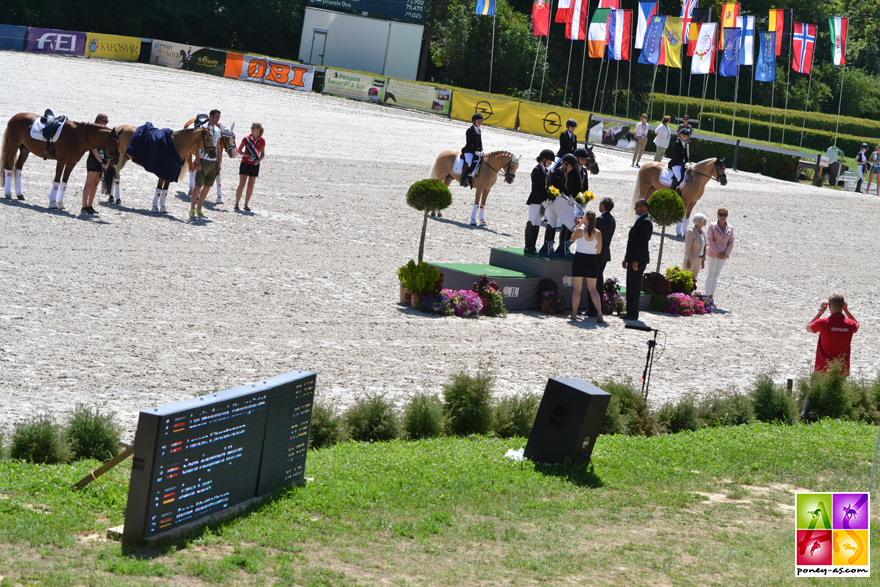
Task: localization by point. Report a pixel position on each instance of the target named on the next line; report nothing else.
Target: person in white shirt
(661, 140)
(641, 133)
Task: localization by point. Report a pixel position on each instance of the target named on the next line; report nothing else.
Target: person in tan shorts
(206, 169)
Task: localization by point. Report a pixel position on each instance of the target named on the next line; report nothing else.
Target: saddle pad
(459, 165)
(666, 176)
(37, 130)
(153, 149)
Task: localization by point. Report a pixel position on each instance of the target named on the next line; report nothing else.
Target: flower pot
(404, 295)
(486, 303)
(414, 301)
(547, 306)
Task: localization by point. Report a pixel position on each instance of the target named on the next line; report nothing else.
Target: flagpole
(492, 59)
(751, 93)
(629, 78)
(546, 50)
(839, 102)
(772, 95)
(584, 61)
(788, 75)
(651, 96)
(735, 95)
(703, 101)
(604, 85)
(534, 67)
(666, 90)
(598, 78)
(806, 106)
(565, 91)
(690, 78)
(616, 78)
(715, 98)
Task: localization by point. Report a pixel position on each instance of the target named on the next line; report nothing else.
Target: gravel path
(130, 310)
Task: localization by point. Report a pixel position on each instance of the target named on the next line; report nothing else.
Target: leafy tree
(666, 208)
(427, 195)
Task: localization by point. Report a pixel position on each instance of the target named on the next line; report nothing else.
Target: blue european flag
(765, 69)
(485, 7)
(732, 45)
(653, 41)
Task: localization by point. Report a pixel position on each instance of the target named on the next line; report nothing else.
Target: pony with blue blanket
(161, 152)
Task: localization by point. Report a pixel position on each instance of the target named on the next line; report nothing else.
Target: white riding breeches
(861, 171)
(469, 158)
(676, 171)
(535, 214)
(561, 211)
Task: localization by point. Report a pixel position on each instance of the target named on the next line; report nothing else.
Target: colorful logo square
(850, 548)
(814, 547)
(851, 511)
(832, 535)
(814, 511)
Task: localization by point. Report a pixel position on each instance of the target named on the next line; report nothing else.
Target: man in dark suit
(637, 258)
(606, 225)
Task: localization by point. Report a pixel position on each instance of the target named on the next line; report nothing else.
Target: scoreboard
(409, 9)
(201, 456)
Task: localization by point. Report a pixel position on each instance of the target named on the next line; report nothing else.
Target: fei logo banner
(55, 41)
(832, 532)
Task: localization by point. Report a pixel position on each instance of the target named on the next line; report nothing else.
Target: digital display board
(409, 9)
(200, 456)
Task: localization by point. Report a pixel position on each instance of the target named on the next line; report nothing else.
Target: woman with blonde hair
(586, 264)
(719, 245)
(252, 151)
(94, 169)
(695, 246)
(661, 138)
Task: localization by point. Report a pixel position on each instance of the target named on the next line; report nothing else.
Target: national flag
(670, 56)
(598, 33)
(765, 71)
(838, 26)
(647, 10)
(780, 21)
(576, 29)
(612, 4)
(804, 42)
(619, 30)
(653, 41)
(730, 59)
(729, 12)
(485, 7)
(687, 15)
(700, 16)
(563, 12)
(703, 61)
(747, 52)
(540, 18)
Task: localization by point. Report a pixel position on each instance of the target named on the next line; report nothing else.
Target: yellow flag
(671, 56)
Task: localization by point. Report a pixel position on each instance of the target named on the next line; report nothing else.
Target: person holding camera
(835, 333)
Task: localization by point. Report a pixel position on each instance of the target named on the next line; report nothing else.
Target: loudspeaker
(568, 421)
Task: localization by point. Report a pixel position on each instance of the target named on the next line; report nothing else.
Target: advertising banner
(495, 112)
(206, 61)
(356, 86)
(408, 95)
(55, 41)
(113, 47)
(265, 70)
(550, 122)
(12, 37)
(168, 54)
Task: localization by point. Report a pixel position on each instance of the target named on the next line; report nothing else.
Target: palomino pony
(493, 164)
(190, 162)
(185, 142)
(75, 140)
(648, 182)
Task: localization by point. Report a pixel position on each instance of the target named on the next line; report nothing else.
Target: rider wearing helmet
(568, 179)
(861, 165)
(567, 142)
(540, 179)
(680, 155)
(474, 145)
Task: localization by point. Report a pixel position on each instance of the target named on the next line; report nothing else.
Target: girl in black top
(540, 177)
(94, 168)
(568, 142)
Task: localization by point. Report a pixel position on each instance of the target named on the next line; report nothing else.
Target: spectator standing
(695, 245)
(861, 165)
(606, 224)
(835, 333)
(641, 133)
(252, 150)
(637, 258)
(207, 168)
(875, 171)
(719, 240)
(94, 168)
(585, 263)
(661, 138)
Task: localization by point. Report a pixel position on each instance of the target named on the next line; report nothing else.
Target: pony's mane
(709, 159)
(500, 153)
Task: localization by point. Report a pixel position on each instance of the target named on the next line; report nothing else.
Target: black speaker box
(568, 421)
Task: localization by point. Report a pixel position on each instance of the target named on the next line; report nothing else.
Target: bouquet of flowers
(584, 198)
(464, 302)
(552, 193)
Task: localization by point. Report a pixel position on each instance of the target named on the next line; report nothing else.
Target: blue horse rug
(153, 149)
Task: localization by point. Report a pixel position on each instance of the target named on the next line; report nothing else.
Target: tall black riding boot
(547, 250)
(859, 186)
(562, 249)
(465, 170)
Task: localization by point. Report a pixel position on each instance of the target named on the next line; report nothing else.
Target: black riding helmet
(476, 116)
(685, 131)
(570, 159)
(864, 145)
(571, 122)
(546, 154)
(581, 153)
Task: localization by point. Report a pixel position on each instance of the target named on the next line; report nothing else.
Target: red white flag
(563, 12)
(576, 29)
(613, 4)
(540, 18)
(804, 45)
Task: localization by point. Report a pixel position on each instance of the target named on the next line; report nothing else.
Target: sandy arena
(131, 309)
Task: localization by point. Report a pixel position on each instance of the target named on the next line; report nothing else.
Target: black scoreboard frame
(200, 459)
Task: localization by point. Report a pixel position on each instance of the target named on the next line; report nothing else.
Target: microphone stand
(649, 364)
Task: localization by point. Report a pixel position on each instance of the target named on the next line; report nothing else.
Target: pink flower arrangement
(681, 304)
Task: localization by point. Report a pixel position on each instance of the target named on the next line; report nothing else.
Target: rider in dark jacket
(680, 156)
(567, 142)
(540, 179)
(474, 145)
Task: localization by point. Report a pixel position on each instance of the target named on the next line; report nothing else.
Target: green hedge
(814, 140)
(859, 127)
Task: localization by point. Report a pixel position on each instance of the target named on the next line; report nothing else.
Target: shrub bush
(771, 403)
(864, 394)
(423, 417)
(627, 411)
(726, 409)
(40, 440)
(372, 418)
(514, 415)
(92, 434)
(655, 283)
(328, 427)
(467, 402)
(680, 281)
(825, 395)
(679, 416)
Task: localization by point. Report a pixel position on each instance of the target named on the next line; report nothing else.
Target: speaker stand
(649, 364)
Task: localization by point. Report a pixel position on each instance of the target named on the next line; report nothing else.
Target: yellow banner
(550, 122)
(113, 47)
(495, 112)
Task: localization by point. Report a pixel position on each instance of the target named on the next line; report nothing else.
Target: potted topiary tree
(666, 208)
(427, 195)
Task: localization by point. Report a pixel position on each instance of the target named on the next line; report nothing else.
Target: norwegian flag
(804, 45)
(687, 15)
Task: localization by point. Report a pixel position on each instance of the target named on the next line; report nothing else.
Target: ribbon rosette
(584, 198)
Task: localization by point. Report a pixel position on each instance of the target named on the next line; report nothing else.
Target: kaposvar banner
(113, 47)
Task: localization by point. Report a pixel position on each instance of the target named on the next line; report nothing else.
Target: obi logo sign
(278, 73)
(57, 42)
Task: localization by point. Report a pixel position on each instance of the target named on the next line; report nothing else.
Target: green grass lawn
(713, 507)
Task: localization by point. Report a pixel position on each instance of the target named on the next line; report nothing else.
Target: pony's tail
(186, 168)
(632, 205)
(433, 173)
(107, 180)
(4, 152)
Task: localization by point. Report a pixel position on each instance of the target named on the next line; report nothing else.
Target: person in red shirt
(252, 151)
(835, 332)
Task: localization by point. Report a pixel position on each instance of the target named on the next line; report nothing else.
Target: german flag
(780, 21)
